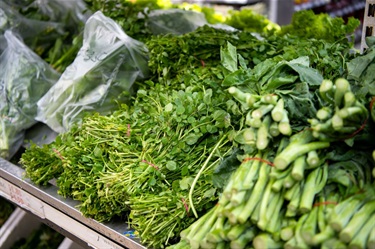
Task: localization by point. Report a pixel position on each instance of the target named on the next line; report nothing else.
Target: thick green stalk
(324, 235)
(312, 159)
(265, 240)
(191, 203)
(315, 182)
(262, 134)
(371, 239)
(261, 111)
(309, 228)
(274, 129)
(238, 197)
(298, 169)
(326, 91)
(357, 222)
(235, 212)
(264, 205)
(343, 212)
(324, 113)
(277, 112)
(252, 174)
(237, 230)
(201, 233)
(214, 235)
(244, 239)
(360, 240)
(247, 99)
(287, 232)
(342, 87)
(275, 212)
(204, 244)
(256, 193)
(284, 125)
(293, 151)
(333, 243)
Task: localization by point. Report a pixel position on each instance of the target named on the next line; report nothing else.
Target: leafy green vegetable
(248, 20)
(307, 24)
(24, 79)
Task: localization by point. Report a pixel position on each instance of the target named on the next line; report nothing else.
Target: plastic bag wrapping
(107, 65)
(10, 19)
(48, 27)
(178, 21)
(175, 21)
(24, 79)
(69, 12)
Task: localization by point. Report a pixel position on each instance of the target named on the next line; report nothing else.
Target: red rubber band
(259, 159)
(185, 205)
(58, 154)
(151, 164)
(325, 203)
(128, 132)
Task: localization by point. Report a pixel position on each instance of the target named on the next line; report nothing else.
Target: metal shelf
(310, 5)
(62, 214)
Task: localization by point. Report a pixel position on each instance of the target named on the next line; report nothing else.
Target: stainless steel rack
(62, 214)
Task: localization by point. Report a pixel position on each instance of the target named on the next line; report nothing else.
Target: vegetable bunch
(222, 112)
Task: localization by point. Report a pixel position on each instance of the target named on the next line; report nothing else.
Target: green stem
(191, 203)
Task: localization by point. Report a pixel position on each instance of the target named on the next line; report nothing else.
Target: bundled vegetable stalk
(341, 114)
(273, 206)
(277, 195)
(156, 146)
(154, 160)
(24, 79)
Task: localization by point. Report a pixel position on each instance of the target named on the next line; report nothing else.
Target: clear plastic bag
(71, 14)
(33, 32)
(175, 21)
(24, 79)
(106, 66)
(178, 21)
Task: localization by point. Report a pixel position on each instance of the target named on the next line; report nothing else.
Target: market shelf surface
(61, 213)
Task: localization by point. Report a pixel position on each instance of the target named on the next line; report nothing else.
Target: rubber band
(202, 62)
(128, 132)
(185, 205)
(325, 203)
(258, 159)
(365, 122)
(151, 164)
(58, 154)
(359, 129)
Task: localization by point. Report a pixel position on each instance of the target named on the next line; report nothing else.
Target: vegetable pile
(235, 139)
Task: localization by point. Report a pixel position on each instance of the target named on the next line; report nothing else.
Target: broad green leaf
(186, 182)
(192, 138)
(228, 57)
(171, 165)
(168, 107)
(209, 193)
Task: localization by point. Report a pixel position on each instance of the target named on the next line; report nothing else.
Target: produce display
(242, 134)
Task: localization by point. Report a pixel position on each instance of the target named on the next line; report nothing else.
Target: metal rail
(61, 213)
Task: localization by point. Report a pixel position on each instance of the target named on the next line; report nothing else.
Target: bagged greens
(34, 32)
(24, 79)
(178, 21)
(51, 28)
(102, 74)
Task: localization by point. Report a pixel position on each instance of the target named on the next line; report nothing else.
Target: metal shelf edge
(24, 193)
